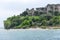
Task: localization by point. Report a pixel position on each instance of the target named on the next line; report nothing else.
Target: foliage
(24, 21)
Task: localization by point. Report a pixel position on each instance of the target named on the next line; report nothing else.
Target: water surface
(29, 34)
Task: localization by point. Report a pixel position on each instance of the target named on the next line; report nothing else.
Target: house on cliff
(50, 9)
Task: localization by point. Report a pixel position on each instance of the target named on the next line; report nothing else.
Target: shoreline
(35, 29)
(47, 28)
(22, 30)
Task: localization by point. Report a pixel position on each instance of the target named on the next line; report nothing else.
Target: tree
(56, 13)
(24, 13)
(7, 24)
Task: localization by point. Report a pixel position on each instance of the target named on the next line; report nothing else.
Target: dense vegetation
(24, 21)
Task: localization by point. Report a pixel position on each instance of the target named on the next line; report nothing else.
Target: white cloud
(22, 1)
(30, 1)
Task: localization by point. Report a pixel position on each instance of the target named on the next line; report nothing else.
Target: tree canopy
(38, 20)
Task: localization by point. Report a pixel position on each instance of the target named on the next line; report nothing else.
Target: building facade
(30, 12)
(49, 9)
(53, 8)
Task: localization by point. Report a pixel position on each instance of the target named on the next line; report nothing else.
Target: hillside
(24, 21)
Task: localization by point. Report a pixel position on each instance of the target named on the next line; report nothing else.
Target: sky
(9, 8)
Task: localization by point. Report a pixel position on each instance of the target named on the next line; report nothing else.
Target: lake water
(29, 34)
